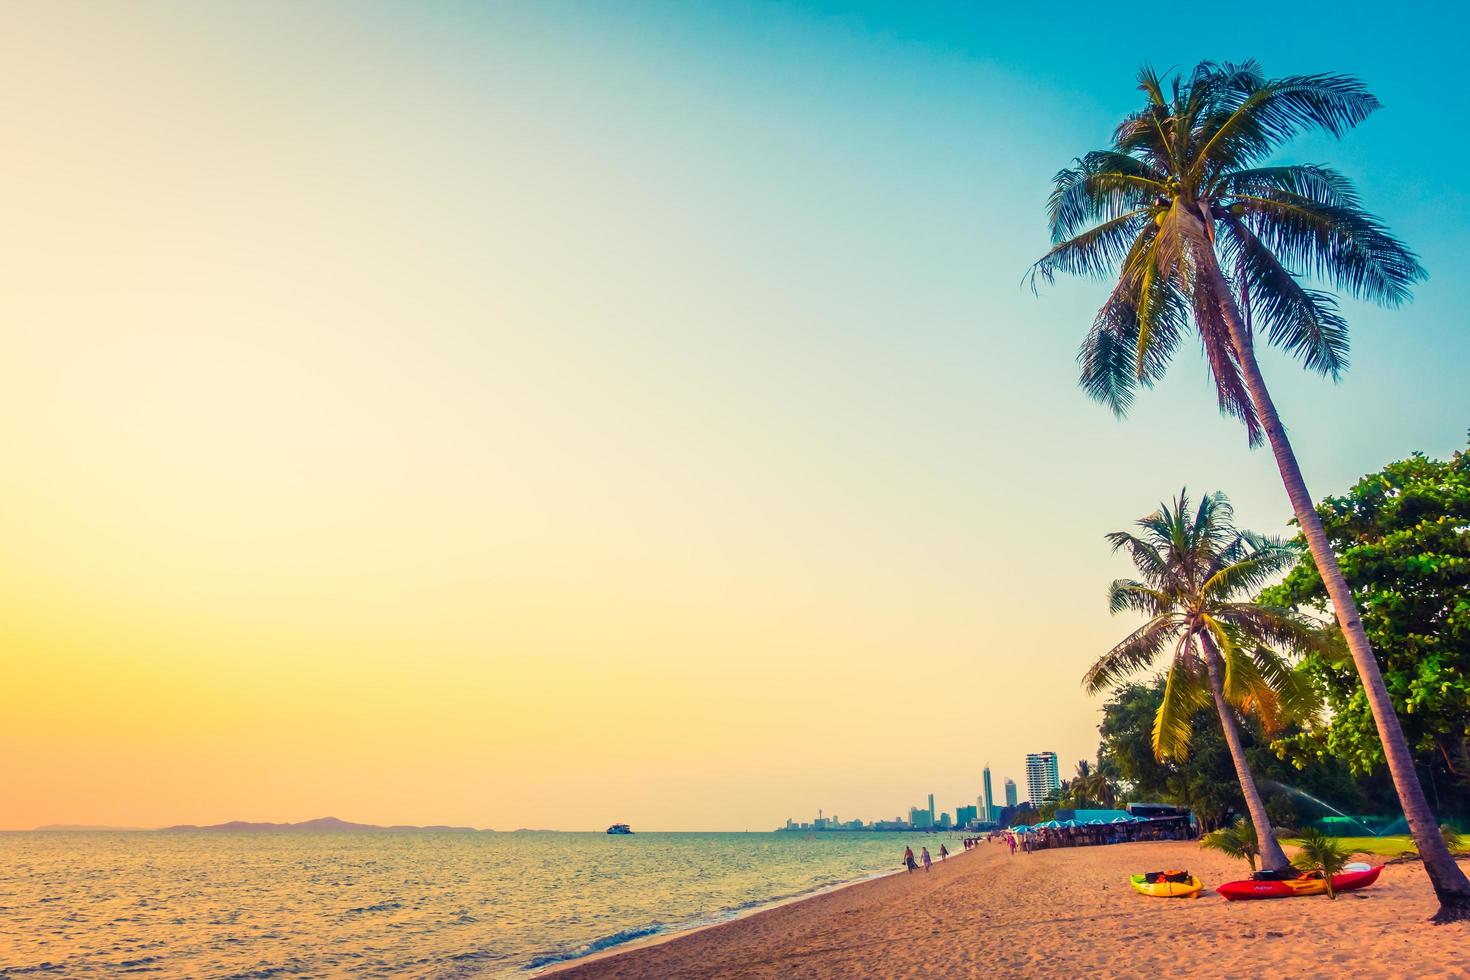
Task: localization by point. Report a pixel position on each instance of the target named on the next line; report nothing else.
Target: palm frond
(1230, 390)
(1185, 693)
(1298, 699)
(1340, 244)
(1098, 187)
(1312, 181)
(1136, 652)
(1250, 571)
(1304, 322)
(1260, 115)
(1095, 252)
(1243, 685)
(1144, 554)
(1275, 626)
(1105, 361)
(1125, 594)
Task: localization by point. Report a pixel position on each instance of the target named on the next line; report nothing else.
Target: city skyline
(929, 815)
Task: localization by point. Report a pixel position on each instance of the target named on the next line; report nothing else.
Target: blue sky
(443, 388)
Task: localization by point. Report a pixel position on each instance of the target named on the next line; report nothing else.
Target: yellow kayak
(1164, 888)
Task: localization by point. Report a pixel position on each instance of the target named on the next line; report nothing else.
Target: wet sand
(1065, 912)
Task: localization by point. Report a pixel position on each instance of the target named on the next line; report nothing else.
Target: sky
(550, 414)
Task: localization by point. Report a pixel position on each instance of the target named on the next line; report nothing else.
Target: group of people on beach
(1163, 829)
(912, 865)
(1159, 829)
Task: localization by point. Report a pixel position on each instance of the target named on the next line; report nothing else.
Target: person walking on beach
(943, 852)
(908, 860)
(927, 860)
(1011, 840)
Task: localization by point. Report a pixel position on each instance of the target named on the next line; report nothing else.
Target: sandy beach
(1066, 912)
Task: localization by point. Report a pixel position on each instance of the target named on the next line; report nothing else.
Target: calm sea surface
(388, 904)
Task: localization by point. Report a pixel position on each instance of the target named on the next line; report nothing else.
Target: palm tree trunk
(1450, 883)
(1272, 856)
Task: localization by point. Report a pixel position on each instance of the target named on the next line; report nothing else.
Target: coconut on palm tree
(1196, 574)
(1207, 235)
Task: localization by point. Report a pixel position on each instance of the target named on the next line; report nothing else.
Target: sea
(391, 904)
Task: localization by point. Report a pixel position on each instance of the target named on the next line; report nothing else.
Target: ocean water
(259, 905)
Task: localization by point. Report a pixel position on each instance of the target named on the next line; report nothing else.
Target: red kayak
(1239, 891)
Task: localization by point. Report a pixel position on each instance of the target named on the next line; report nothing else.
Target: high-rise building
(1010, 792)
(963, 815)
(989, 799)
(933, 817)
(1042, 777)
(919, 819)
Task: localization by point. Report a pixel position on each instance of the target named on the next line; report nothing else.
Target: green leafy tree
(1238, 841)
(1197, 570)
(1318, 852)
(1401, 535)
(1095, 786)
(1205, 782)
(1206, 235)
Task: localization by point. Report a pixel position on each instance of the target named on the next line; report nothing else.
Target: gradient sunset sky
(545, 414)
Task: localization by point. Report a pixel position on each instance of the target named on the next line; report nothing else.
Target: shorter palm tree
(1197, 573)
(1318, 852)
(1237, 841)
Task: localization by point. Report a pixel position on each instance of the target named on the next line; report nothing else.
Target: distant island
(321, 825)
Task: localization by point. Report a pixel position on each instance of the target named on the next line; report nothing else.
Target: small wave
(45, 967)
(595, 946)
(478, 954)
(388, 906)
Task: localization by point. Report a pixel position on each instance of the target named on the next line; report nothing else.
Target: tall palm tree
(1093, 785)
(1197, 571)
(1186, 192)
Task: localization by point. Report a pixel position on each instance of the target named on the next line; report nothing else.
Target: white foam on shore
(699, 925)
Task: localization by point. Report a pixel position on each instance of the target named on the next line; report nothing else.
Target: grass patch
(1391, 845)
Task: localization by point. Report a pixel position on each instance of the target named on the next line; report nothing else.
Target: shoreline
(680, 932)
(1062, 912)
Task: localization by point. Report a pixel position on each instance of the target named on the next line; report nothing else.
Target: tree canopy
(1402, 536)
(1188, 188)
(1206, 783)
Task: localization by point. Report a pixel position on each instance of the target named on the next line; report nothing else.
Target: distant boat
(620, 828)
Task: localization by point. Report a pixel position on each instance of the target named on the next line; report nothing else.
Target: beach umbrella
(1122, 820)
(1067, 823)
(1094, 823)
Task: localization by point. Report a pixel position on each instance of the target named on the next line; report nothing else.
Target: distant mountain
(320, 825)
